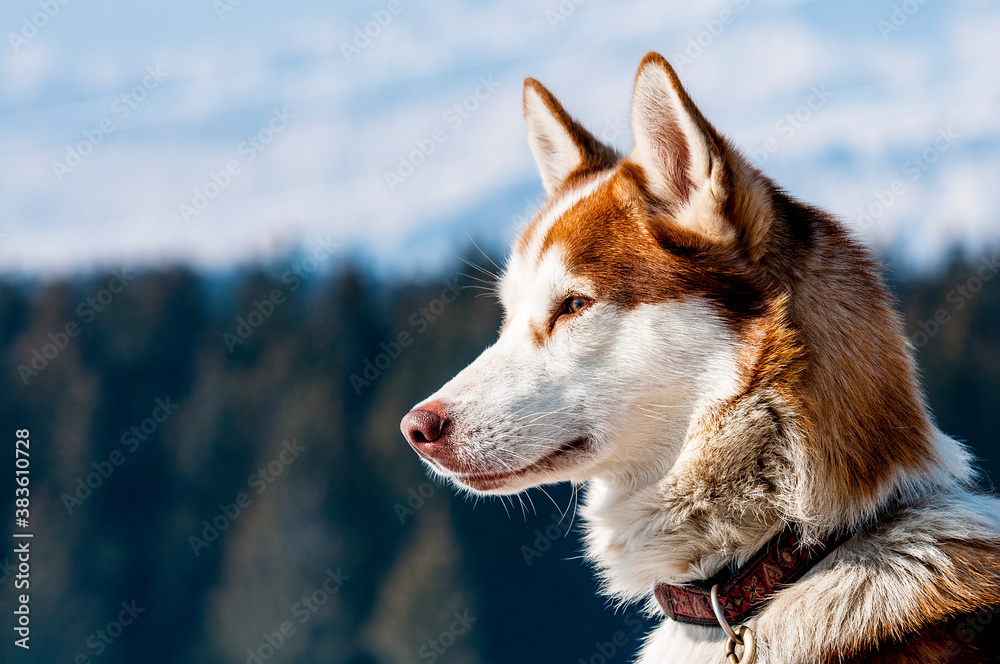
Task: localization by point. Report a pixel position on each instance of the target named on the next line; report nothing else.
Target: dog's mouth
(490, 481)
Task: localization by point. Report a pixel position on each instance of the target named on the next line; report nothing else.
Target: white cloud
(24, 72)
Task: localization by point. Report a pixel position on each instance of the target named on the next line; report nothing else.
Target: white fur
(555, 151)
(655, 105)
(658, 109)
(628, 380)
(676, 643)
(518, 277)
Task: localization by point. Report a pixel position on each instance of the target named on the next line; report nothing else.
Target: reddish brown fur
(939, 632)
(953, 640)
(865, 421)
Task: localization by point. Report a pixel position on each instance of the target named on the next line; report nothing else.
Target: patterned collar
(743, 591)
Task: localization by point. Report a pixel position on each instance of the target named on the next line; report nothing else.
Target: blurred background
(219, 217)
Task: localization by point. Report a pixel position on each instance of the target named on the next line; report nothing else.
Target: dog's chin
(560, 465)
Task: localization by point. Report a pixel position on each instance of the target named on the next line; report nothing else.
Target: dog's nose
(424, 425)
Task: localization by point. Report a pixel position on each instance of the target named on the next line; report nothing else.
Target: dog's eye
(574, 304)
(571, 306)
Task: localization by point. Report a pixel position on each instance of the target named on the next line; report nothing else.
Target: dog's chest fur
(917, 587)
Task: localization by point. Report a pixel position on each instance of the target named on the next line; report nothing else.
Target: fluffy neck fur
(827, 427)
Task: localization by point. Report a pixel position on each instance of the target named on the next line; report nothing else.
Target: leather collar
(744, 590)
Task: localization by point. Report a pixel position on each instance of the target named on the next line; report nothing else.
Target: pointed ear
(560, 144)
(681, 155)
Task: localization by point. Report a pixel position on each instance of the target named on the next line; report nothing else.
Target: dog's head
(624, 301)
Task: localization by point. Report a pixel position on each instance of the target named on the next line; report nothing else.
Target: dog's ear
(560, 144)
(688, 169)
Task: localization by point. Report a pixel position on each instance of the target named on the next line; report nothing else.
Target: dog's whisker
(491, 284)
(540, 424)
(562, 512)
(575, 497)
(540, 443)
(516, 456)
(504, 506)
(485, 255)
(531, 502)
(538, 416)
(494, 277)
(649, 406)
(657, 418)
(554, 504)
(535, 423)
(549, 412)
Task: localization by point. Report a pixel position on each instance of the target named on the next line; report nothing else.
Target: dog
(722, 367)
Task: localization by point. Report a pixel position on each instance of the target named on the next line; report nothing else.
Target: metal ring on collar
(717, 609)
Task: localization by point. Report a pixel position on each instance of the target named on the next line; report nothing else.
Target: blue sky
(277, 128)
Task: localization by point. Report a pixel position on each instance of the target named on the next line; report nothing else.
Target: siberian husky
(723, 368)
